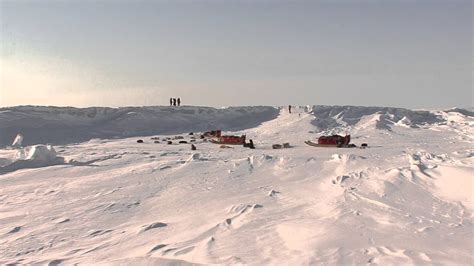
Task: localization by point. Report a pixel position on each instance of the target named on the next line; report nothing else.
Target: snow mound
(62, 125)
(455, 183)
(33, 157)
(448, 178)
(44, 153)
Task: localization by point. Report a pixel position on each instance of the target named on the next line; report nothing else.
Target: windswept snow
(407, 199)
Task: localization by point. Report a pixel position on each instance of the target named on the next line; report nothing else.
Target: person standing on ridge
(171, 101)
(289, 109)
(179, 102)
(174, 101)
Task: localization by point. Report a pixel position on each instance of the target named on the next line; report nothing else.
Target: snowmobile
(229, 140)
(334, 141)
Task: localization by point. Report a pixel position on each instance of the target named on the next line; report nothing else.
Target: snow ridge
(329, 117)
(61, 125)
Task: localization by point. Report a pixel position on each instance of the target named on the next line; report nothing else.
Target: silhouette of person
(179, 102)
(171, 101)
(289, 109)
(174, 101)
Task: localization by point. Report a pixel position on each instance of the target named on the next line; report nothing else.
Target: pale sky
(401, 53)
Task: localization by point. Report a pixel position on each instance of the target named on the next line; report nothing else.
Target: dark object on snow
(156, 141)
(289, 109)
(212, 134)
(191, 133)
(140, 141)
(192, 140)
(364, 145)
(182, 142)
(179, 102)
(170, 142)
(154, 138)
(174, 101)
(193, 148)
(251, 146)
(202, 136)
(280, 146)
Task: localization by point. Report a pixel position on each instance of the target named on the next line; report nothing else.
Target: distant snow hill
(61, 125)
(329, 117)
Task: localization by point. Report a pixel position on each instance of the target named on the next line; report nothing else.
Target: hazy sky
(415, 54)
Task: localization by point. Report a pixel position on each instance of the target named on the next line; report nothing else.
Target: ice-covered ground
(408, 199)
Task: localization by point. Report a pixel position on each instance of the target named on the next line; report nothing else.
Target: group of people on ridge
(175, 102)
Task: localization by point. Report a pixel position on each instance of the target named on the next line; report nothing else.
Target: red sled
(310, 143)
(335, 140)
(229, 140)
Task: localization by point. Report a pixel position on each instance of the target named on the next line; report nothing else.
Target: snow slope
(405, 200)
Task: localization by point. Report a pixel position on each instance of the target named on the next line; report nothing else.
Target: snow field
(405, 200)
